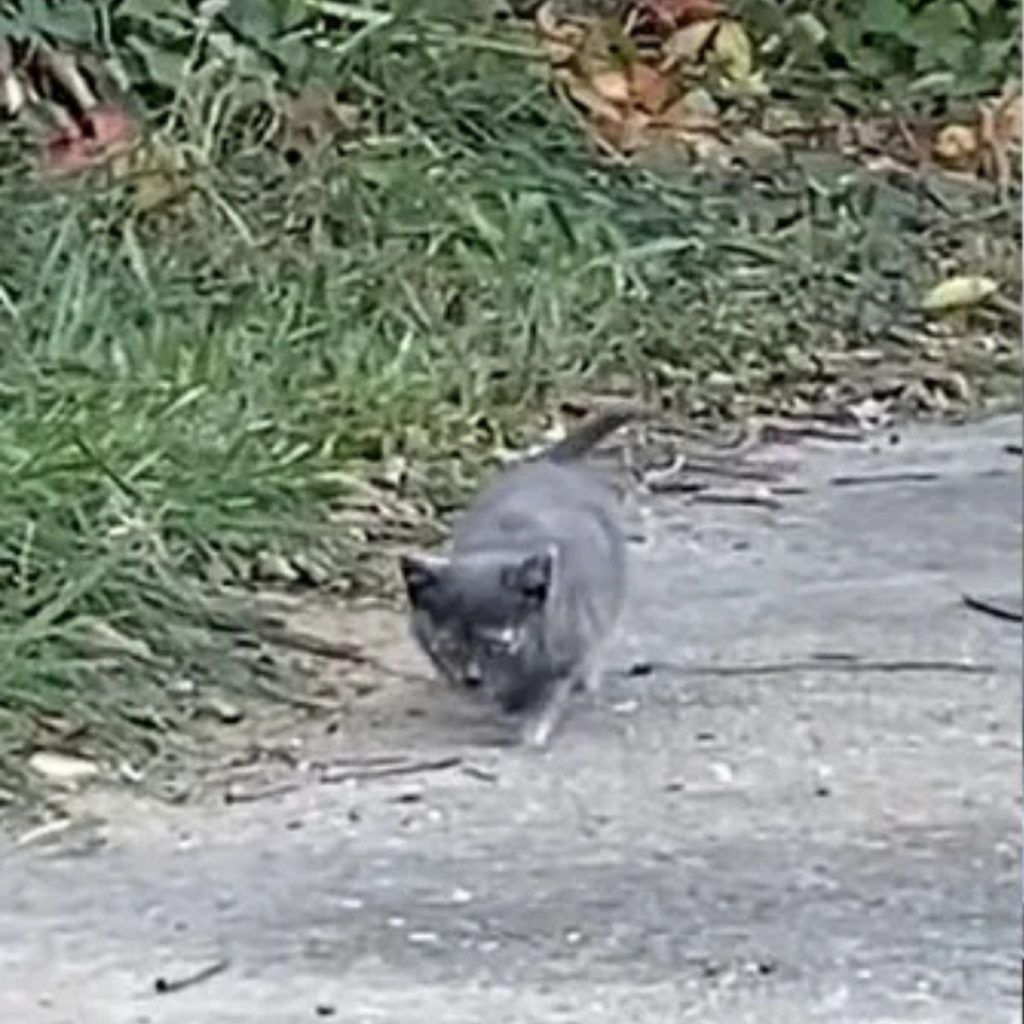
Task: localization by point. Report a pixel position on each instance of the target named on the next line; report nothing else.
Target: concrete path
(808, 810)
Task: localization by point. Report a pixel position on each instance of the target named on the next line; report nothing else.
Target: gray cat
(520, 609)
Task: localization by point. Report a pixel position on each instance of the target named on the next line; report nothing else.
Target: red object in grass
(90, 139)
(668, 15)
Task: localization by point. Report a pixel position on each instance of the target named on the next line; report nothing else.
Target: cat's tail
(578, 442)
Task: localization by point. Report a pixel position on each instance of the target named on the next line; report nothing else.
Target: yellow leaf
(956, 292)
(733, 50)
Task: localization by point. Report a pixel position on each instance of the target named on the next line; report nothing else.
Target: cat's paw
(536, 734)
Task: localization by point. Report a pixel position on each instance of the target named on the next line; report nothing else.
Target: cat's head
(480, 617)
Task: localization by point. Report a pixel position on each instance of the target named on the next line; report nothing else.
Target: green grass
(182, 392)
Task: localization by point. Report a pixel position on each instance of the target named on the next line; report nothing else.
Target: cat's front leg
(540, 726)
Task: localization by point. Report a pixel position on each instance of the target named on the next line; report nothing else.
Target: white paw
(537, 734)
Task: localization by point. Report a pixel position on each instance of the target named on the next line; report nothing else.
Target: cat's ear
(421, 574)
(532, 577)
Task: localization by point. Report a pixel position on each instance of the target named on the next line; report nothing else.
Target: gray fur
(519, 610)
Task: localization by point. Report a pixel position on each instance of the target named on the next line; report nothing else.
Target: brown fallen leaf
(649, 89)
(623, 135)
(584, 95)
(561, 40)
(688, 45)
(612, 86)
(956, 147)
(990, 145)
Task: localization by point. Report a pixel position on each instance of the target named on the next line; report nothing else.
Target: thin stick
(992, 607)
(852, 480)
(726, 498)
(738, 471)
(384, 770)
(251, 796)
(297, 700)
(309, 643)
(474, 771)
(830, 664)
(165, 986)
(789, 432)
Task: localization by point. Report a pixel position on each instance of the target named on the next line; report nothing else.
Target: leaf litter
(689, 74)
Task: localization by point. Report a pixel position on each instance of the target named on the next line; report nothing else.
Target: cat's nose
(473, 679)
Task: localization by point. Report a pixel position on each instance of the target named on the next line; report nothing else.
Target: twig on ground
(378, 771)
(43, 833)
(834, 663)
(735, 498)
(298, 700)
(474, 771)
(859, 480)
(164, 986)
(788, 433)
(234, 795)
(764, 472)
(309, 643)
(994, 607)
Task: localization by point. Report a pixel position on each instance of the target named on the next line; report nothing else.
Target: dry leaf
(956, 147)
(558, 52)
(593, 102)
(759, 151)
(698, 101)
(624, 135)
(694, 112)
(561, 40)
(733, 50)
(650, 89)
(808, 26)
(957, 292)
(1008, 119)
(687, 46)
(548, 24)
(612, 86)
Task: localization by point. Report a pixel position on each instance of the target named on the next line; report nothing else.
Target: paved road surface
(790, 843)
